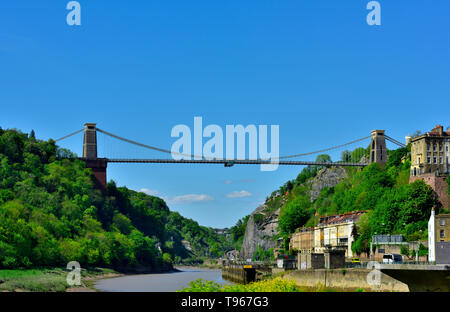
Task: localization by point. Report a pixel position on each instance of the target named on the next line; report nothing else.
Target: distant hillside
(51, 214)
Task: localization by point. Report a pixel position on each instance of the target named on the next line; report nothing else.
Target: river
(159, 282)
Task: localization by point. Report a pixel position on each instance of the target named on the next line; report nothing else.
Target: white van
(392, 258)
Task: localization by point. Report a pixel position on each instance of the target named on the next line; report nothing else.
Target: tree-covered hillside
(51, 214)
(393, 205)
(238, 232)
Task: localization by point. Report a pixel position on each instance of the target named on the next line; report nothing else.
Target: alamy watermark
(74, 276)
(235, 143)
(73, 18)
(374, 276)
(374, 16)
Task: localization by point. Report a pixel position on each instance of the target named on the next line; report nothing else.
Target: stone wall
(310, 261)
(437, 183)
(350, 279)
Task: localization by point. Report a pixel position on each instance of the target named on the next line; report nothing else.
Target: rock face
(327, 177)
(259, 231)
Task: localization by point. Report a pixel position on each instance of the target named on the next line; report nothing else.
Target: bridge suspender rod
(395, 141)
(69, 135)
(325, 149)
(147, 146)
(210, 158)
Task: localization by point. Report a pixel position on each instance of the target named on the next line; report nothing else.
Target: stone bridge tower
(378, 153)
(98, 165)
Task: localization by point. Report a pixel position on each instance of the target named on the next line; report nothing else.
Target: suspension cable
(394, 141)
(149, 146)
(325, 149)
(212, 158)
(69, 135)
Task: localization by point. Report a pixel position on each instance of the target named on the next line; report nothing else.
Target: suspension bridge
(378, 154)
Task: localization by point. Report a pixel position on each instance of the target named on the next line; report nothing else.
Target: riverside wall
(350, 279)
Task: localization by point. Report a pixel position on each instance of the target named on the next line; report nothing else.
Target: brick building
(430, 152)
(430, 155)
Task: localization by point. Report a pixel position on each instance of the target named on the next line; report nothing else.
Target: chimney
(438, 129)
(407, 139)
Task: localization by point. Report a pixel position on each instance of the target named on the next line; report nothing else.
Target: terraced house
(430, 155)
(331, 233)
(430, 152)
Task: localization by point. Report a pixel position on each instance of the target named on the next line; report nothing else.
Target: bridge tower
(98, 165)
(90, 141)
(378, 153)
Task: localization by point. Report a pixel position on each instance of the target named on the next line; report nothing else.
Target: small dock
(242, 272)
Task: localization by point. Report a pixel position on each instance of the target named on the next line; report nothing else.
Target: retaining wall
(351, 279)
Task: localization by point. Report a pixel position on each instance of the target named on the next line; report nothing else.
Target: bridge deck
(234, 162)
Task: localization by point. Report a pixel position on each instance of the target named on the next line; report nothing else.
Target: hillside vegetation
(50, 214)
(393, 205)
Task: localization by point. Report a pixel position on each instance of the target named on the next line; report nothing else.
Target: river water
(159, 282)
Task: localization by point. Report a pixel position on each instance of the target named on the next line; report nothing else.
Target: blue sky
(138, 68)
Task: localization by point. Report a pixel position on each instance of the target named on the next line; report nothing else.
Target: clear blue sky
(138, 68)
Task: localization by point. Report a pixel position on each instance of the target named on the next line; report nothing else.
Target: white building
(432, 237)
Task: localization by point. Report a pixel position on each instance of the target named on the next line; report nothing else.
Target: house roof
(341, 218)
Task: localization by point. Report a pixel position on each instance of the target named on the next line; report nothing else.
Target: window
(428, 147)
(441, 160)
(442, 222)
(418, 159)
(434, 159)
(441, 232)
(429, 159)
(440, 148)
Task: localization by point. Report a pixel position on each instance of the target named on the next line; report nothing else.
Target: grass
(33, 280)
(43, 280)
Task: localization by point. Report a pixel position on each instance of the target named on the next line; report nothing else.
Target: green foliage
(448, 185)
(238, 230)
(393, 205)
(261, 254)
(203, 241)
(33, 280)
(423, 251)
(258, 218)
(274, 285)
(346, 156)
(404, 250)
(295, 213)
(51, 214)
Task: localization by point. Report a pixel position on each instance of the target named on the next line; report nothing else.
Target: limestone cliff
(261, 227)
(263, 222)
(327, 177)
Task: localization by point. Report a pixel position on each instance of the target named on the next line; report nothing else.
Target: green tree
(295, 214)
(346, 156)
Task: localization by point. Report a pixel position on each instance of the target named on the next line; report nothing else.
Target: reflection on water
(159, 282)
